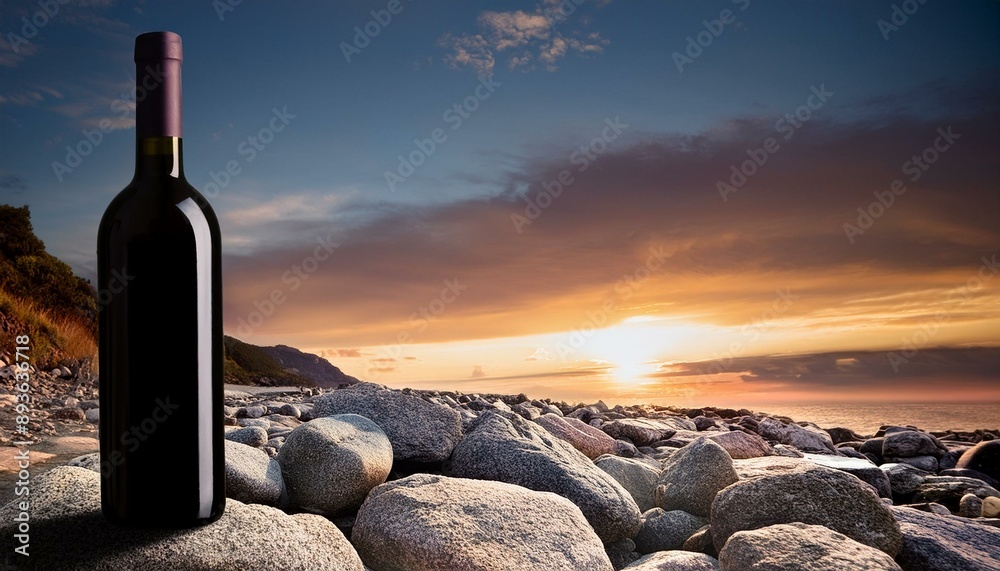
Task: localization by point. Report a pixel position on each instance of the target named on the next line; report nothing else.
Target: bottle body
(160, 348)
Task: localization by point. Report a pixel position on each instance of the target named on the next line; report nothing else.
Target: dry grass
(54, 339)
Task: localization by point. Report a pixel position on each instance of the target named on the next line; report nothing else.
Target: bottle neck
(159, 157)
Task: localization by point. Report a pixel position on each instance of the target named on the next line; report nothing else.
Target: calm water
(866, 419)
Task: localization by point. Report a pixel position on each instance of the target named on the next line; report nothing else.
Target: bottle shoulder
(150, 204)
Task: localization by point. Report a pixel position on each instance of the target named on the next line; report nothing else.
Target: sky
(715, 202)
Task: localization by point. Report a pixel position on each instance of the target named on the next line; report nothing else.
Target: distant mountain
(248, 364)
(313, 367)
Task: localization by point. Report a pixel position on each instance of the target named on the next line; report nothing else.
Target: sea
(866, 419)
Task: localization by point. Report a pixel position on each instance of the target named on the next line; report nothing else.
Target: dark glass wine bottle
(160, 325)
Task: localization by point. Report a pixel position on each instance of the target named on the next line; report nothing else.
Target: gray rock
(948, 490)
(945, 543)
(800, 547)
(863, 469)
(249, 435)
(966, 473)
(330, 464)
(419, 431)
(593, 442)
(92, 415)
(903, 478)
(252, 411)
(741, 445)
(970, 505)
(527, 411)
(90, 461)
(803, 438)
(435, 523)
(289, 410)
(69, 533)
(925, 463)
(636, 476)
(253, 477)
(907, 444)
(259, 422)
(804, 492)
(507, 448)
(674, 561)
(664, 531)
(692, 477)
(786, 451)
(640, 431)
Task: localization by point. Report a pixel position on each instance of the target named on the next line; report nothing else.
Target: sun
(631, 351)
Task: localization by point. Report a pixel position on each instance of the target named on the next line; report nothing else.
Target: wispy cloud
(522, 40)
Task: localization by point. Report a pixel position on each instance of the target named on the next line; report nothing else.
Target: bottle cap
(158, 45)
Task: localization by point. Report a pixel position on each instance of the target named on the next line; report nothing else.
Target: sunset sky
(672, 202)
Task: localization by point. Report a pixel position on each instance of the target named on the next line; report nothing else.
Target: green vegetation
(40, 296)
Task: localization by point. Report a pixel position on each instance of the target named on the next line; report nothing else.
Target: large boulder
(432, 523)
(69, 533)
(674, 561)
(945, 543)
(507, 448)
(692, 477)
(800, 547)
(252, 476)
(805, 492)
(636, 476)
(419, 431)
(593, 442)
(330, 464)
(983, 457)
(909, 444)
(803, 438)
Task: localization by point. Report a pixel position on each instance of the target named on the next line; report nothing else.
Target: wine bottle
(160, 329)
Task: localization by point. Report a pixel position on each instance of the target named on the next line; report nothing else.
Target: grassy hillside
(40, 297)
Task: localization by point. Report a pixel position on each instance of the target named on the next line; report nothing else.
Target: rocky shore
(367, 477)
